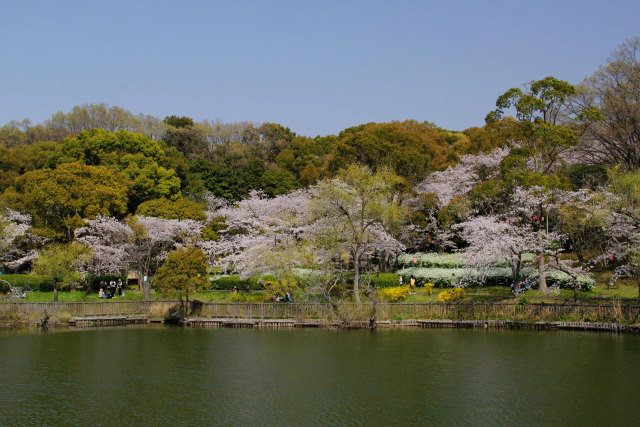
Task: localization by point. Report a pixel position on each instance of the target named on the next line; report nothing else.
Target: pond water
(170, 375)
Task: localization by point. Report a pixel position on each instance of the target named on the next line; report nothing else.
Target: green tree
(183, 273)
(58, 199)
(100, 147)
(276, 182)
(409, 148)
(179, 122)
(167, 209)
(148, 180)
(62, 263)
(135, 155)
(539, 128)
(356, 213)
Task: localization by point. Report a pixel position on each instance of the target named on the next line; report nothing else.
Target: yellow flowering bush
(429, 287)
(452, 295)
(395, 294)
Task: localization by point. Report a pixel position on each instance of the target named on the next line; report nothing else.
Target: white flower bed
(496, 276)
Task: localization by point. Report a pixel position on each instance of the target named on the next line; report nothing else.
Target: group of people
(108, 291)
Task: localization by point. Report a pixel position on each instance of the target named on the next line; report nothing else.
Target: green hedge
(385, 280)
(227, 282)
(36, 283)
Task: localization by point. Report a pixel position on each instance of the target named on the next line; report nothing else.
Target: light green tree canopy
(356, 213)
(133, 154)
(58, 199)
(62, 263)
(183, 273)
(167, 209)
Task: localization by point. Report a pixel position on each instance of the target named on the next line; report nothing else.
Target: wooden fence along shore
(304, 311)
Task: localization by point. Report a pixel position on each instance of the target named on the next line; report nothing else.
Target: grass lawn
(129, 295)
(625, 289)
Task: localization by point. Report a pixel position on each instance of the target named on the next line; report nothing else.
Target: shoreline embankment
(592, 317)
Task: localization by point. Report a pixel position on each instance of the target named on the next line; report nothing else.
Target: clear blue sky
(314, 66)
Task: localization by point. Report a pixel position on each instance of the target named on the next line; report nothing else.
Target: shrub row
(385, 280)
(36, 283)
(227, 282)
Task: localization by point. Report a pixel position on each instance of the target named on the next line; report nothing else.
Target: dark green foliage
(385, 280)
(220, 179)
(179, 122)
(259, 282)
(4, 287)
(167, 209)
(277, 182)
(190, 141)
(35, 282)
(587, 176)
(228, 283)
(410, 148)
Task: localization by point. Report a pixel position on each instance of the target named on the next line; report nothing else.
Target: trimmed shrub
(394, 294)
(385, 280)
(452, 295)
(4, 288)
(227, 282)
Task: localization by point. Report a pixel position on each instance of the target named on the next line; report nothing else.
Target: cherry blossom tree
(153, 238)
(460, 179)
(255, 226)
(495, 238)
(109, 239)
(17, 244)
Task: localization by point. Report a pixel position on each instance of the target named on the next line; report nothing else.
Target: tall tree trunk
(515, 269)
(542, 275)
(55, 290)
(356, 277)
(576, 286)
(146, 289)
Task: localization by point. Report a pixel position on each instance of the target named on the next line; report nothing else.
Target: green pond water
(183, 376)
